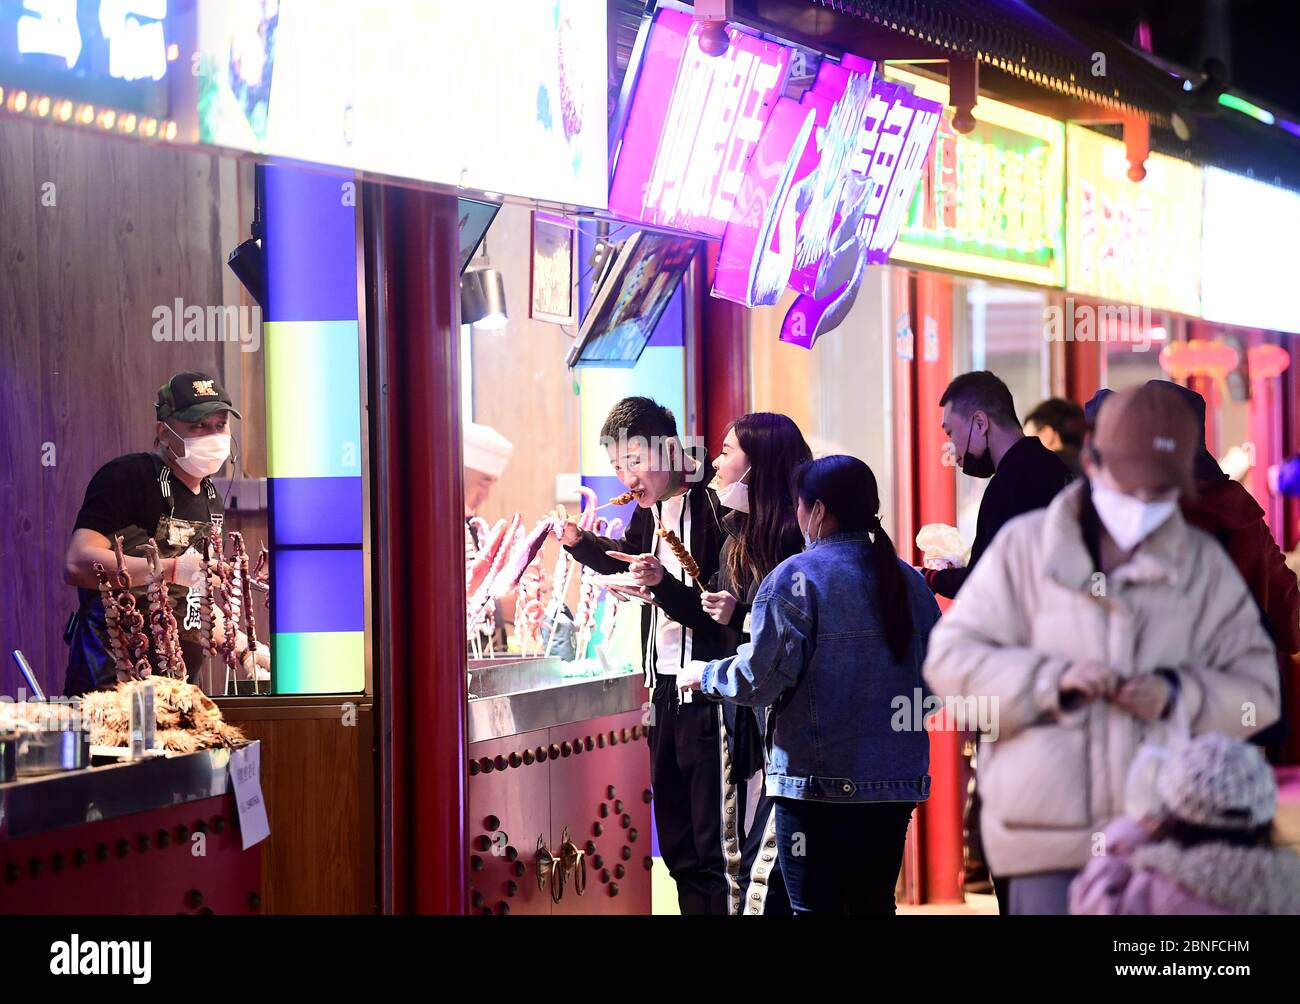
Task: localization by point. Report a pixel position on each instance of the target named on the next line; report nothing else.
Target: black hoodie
(679, 600)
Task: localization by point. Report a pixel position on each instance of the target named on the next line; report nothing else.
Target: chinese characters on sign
(132, 30)
(991, 201)
(804, 194)
(685, 173)
(1132, 242)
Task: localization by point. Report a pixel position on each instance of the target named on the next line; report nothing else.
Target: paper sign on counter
(246, 773)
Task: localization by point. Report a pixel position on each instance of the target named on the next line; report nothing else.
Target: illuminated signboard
(1250, 253)
(990, 202)
(503, 96)
(109, 52)
(825, 195)
(803, 193)
(1132, 242)
(708, 113)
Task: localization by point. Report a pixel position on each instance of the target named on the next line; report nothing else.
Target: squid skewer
(482, 598)
(167, 646)
(130, 620)
(246, 586)
(584, 618)
(115, 641)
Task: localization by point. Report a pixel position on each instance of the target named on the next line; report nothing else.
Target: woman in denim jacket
(838, 639)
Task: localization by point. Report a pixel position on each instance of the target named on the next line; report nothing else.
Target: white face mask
(1129, 521)
(204, 455)
(736, 495)
(810, 541)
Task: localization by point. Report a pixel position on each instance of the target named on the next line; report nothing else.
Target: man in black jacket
(979, 419)
(694, 806)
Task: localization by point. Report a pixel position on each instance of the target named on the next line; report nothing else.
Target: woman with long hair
(839, 635)
(759, 454)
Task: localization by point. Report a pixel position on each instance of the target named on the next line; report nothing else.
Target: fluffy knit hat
(1219, 782)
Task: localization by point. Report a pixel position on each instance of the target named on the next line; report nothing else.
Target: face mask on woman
(736, 495)
(1129, 520)
(811, 541)
(204, 455)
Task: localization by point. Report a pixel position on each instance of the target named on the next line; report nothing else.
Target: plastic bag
(941, 546)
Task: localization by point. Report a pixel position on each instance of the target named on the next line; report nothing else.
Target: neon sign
(694, 122)
(111, 52)
(991, 201)
(1250, 246)
(803, 193)
(1132, 242)
(133, 32)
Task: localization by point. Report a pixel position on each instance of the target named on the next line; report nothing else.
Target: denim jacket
(844, 728)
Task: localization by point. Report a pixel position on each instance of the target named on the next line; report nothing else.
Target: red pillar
(940, 819)
(419, 546)
(724, 370)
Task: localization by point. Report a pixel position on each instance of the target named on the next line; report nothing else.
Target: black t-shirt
(125, 493)
(124, 497)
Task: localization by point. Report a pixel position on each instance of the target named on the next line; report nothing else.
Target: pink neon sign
(803, 193)
(692, 126)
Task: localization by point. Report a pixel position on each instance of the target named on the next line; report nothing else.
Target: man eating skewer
(694, 808)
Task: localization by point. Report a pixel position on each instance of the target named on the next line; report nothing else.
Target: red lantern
(1268, 360)
(1198, 358)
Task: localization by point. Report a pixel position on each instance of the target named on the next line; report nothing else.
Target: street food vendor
(486, 454)
(166, 495)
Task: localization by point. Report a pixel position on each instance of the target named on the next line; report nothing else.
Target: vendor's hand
(1090, 679)
(646, 569)
(720, 606)
(185, 566)
(1145, 696)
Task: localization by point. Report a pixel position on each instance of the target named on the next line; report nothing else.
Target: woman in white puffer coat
(1085, 625)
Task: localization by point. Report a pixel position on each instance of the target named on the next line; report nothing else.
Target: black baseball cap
(191, 397)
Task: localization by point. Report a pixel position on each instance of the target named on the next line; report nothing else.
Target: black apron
(90, 659)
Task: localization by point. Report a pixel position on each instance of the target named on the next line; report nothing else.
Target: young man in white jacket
(1093, 626)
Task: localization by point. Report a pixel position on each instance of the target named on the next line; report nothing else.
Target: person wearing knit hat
(1210, 851)
(1093, 626)
(486, 454)
(1225, 510)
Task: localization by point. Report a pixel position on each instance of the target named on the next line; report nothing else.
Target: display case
(559, 789)
(156, 836)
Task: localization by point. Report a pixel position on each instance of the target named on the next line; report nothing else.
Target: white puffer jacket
(1053, 778)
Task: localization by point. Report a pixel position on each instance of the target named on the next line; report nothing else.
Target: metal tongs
(25, 668)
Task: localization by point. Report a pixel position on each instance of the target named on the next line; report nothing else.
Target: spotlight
(246, 262)
(483, 299)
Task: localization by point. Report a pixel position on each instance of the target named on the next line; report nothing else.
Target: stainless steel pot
(50, 751)
(8, 756)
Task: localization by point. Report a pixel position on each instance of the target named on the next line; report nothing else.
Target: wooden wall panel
(316, 778)
(131, 227)
(24, 483)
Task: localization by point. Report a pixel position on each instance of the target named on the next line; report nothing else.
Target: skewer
(684, 557)
(623, 499)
